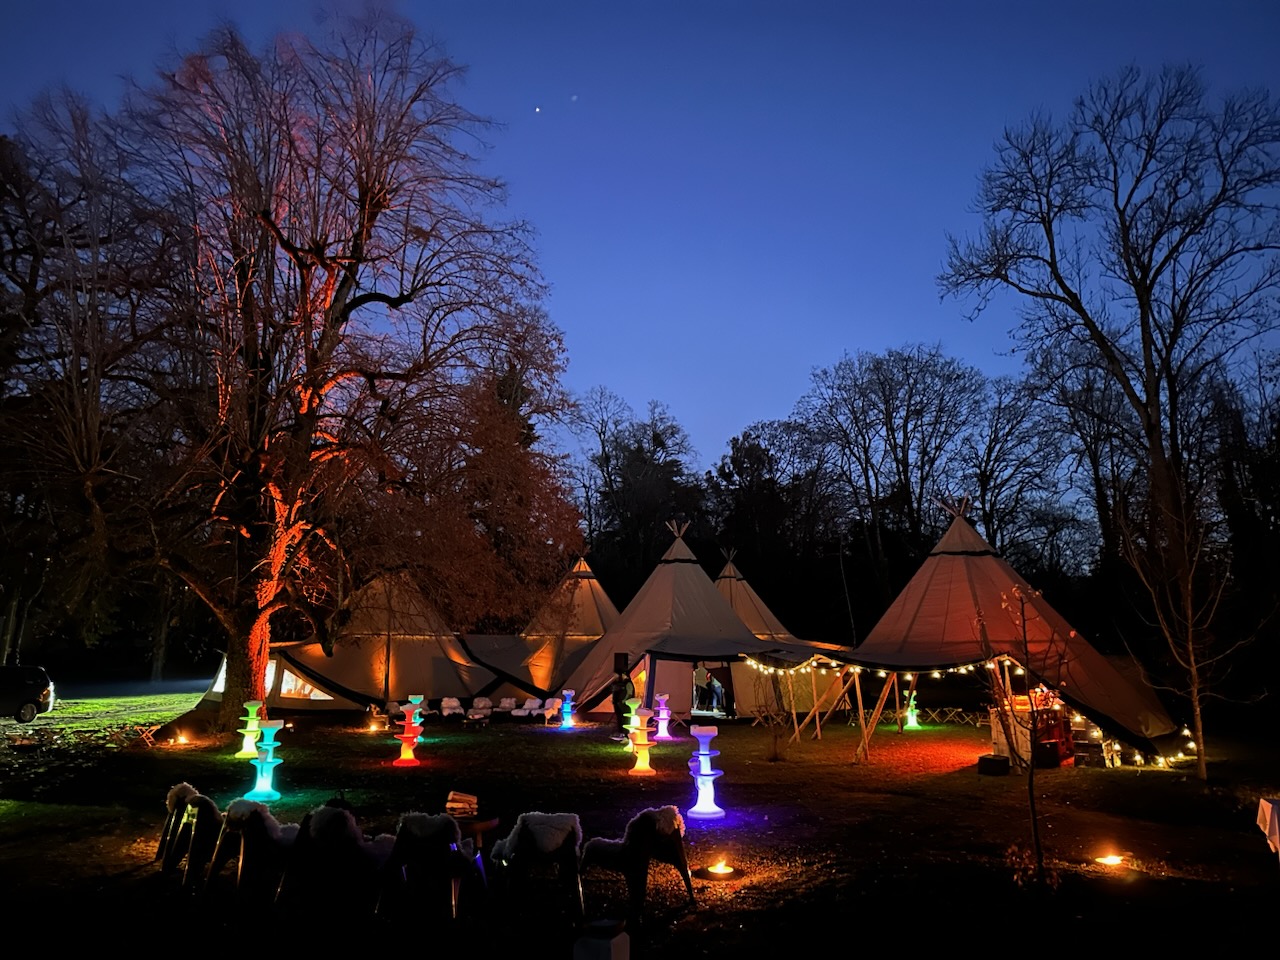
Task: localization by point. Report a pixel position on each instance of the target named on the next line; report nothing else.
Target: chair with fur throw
(194, 839)
(175, 806)
(541, 846)
(258, 843)
(428, 860)
(656, 834)
(331, 857)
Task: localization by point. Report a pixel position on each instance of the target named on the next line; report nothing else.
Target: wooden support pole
(813, 687)
(865, 749)
(862, 716)
(897, 702)
(817, 703)
(791, 686)
(850, 673)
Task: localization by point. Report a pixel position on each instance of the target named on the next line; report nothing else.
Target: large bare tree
(893, 424)
(1143, 229)
(347, 283)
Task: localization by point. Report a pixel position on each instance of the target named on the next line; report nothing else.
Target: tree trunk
(160, 636)
(247, 654)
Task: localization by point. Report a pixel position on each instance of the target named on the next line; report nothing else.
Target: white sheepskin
(548, 831)
(334, 825)
(238, 811)
(428, 827)
(642, 833)
(653, 834)
(179, 795)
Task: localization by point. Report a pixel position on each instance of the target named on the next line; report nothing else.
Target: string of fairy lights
(824, 666)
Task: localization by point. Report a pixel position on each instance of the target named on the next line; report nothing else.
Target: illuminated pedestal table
(703, 775)
(408, 738)
(249, 747)
(640, 744)
(266, 762)
(632, 706)
(566, 708)
(663, 713)
(416, 706)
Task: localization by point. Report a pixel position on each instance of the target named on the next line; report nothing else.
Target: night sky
(727, 194)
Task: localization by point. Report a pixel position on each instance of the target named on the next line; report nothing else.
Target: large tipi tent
(677, 619)
(765, 626)
(577, 614)
(955, 611)
(395, 645)
(746, 603)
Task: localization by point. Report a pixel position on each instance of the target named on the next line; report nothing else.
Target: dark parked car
(25, 692)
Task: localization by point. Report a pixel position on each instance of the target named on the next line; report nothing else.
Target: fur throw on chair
(178, 796)
(548, 832)
(653, 834)
(175, 806)
(430, 828)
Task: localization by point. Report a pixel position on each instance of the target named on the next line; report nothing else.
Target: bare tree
(1143, 229)
(346, 284)
(1010, 463)
(894, 424)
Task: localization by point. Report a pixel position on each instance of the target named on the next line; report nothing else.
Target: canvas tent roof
(760, 620)
(746, 603)
(676, 615)
(576, 615)
(953, 612)
(287, 688)
(394, 646)
(508, 657)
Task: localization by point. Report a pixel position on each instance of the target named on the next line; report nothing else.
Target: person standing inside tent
(716, 689)
(701, 691)
(621, 690)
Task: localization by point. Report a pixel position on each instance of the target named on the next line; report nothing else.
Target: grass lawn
(914, 836)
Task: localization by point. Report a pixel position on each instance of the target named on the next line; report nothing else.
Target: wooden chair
(259, 845)
(428, 862)
(541, 853)
(655, 834)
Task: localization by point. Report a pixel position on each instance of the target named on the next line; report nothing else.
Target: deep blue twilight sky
(728, 194)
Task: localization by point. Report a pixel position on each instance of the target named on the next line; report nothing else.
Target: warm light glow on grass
(720, 867)
(1110, 860)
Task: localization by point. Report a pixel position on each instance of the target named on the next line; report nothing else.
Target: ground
(912, 843)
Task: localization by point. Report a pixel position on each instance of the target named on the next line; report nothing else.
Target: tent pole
(791, 687)
(897, 702)
(875, 718)
(817, 703)
(862, 716)
(813, 686)
(844, 692)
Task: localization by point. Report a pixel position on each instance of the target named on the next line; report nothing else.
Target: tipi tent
(746, 603)
(577, 614)
(955, 611)
(677, 619)
(286, 689)
(394, 645)
(760, 620)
